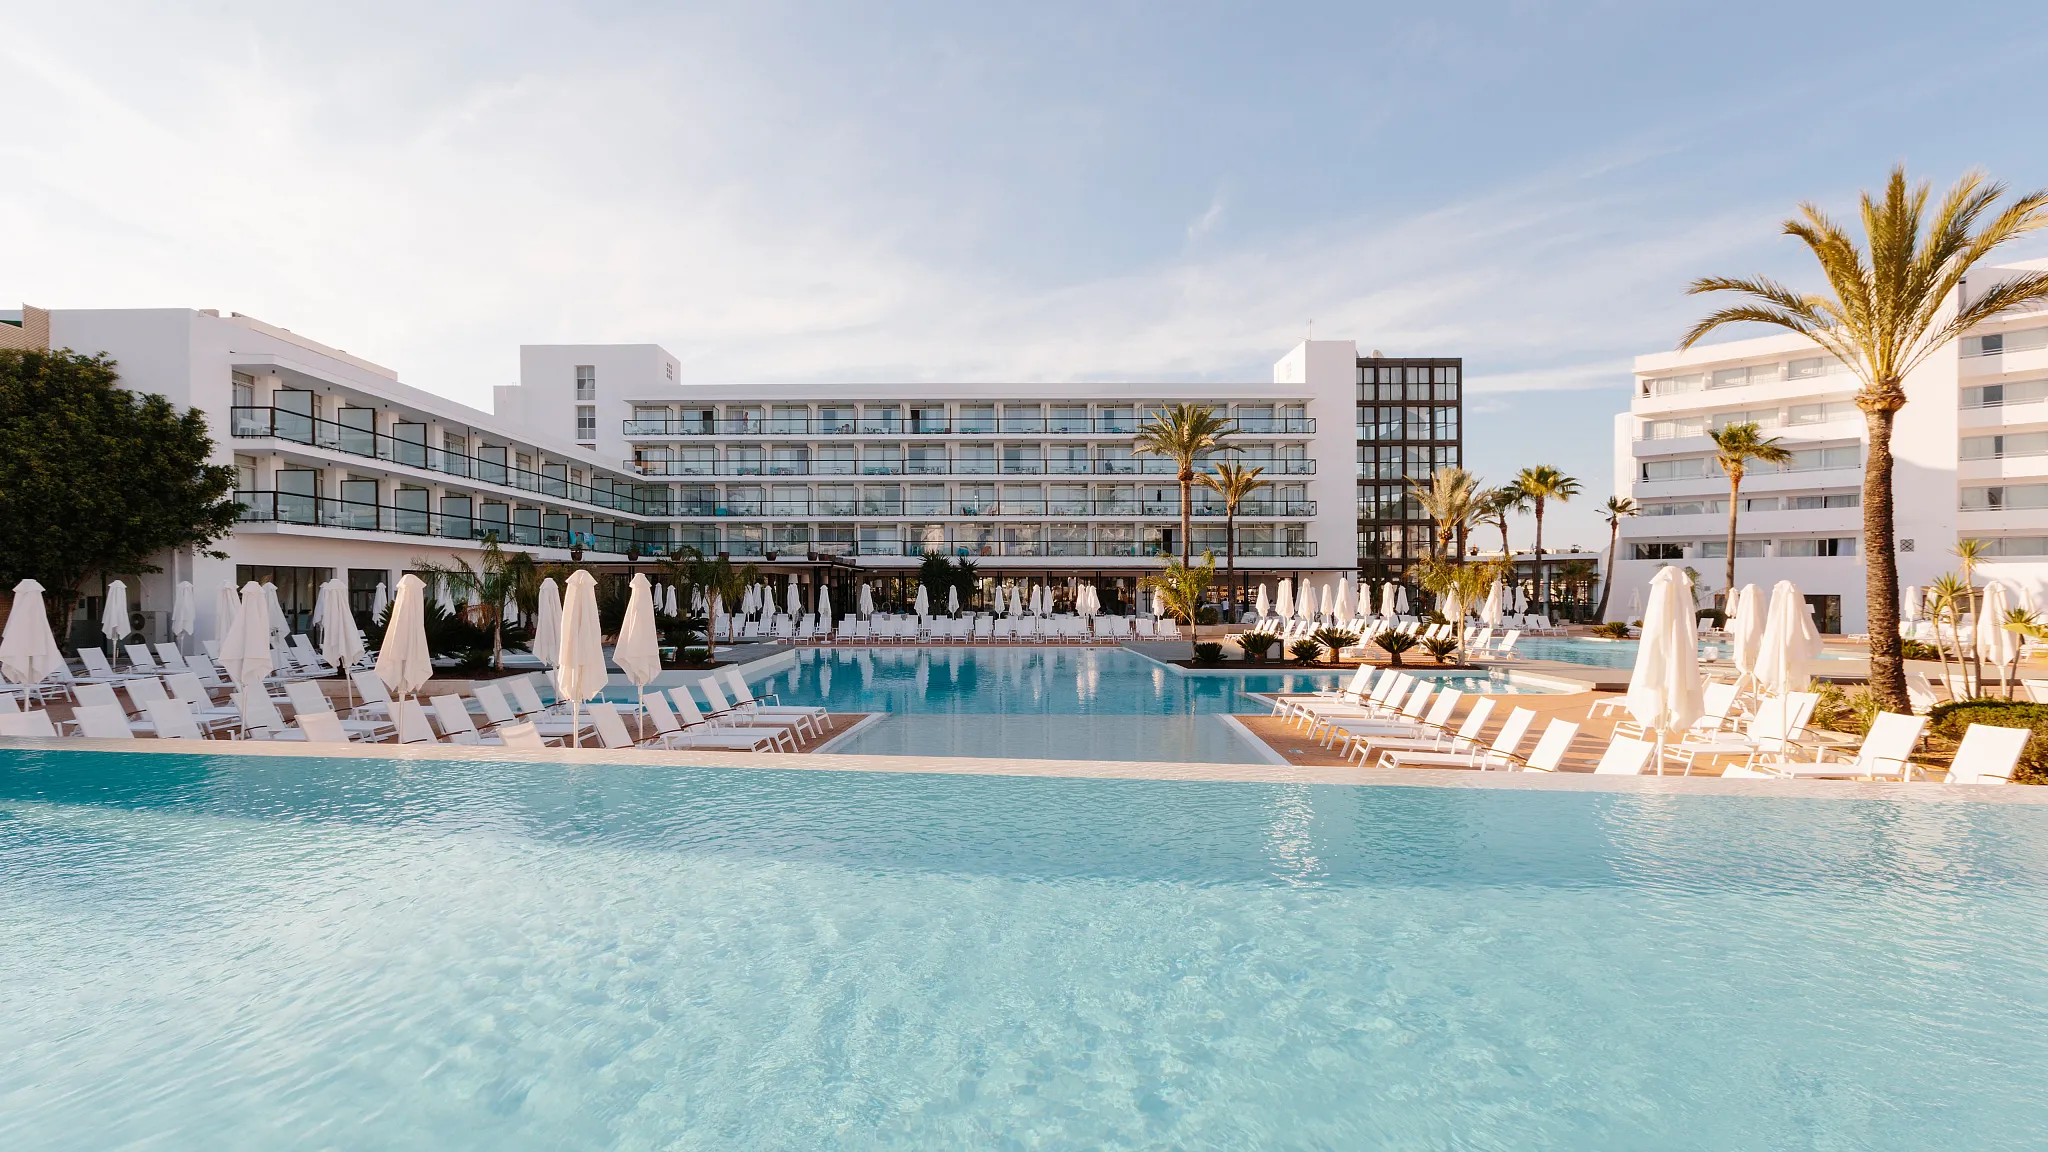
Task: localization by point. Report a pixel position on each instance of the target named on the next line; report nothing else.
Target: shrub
(1441, 647)
(473, 660)
(1712, 616)
(1918, 650)
(1306, 650)
(1393, 644)
(1953, 719)
(1336, 640)
(1208, 614)
(1208, 652)
(1616, 630)
(1838, 710)
(1255, 645)
(1435, 617)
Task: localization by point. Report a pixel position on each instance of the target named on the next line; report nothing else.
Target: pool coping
(1070, 769)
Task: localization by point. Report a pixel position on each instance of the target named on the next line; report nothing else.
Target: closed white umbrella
(1746, 628)
(1158, 602)
(824, 604)
(668, 601)
(1789, 643)
(274, 609)
(1346, 609)
(1283, 604)
(747, 601)
(795, 600)
(1522, 599)
(580, 672)
(184, 611)
(638, 653)
(867, 601)
(1387, 600)
(1995, 644)
(1038, 600)
(953, 600)
(1262, 606)
(547, 622)
(1635, 602)
(340, 642)
(1665, 692)
(1491, 615)
(28, 649)
(114, 618)
(1328, 607)
(1401, 599)
(924, 601)
(403, 662)
(379, 601)
(246, 652)
(1453, 609)
(1909, 604)
(227, 604)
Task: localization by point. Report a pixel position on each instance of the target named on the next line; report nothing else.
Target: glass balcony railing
(640, 427)
(281, 424)
(1246, 550)
(267, 507)
(1041, 506)
(1139, 466)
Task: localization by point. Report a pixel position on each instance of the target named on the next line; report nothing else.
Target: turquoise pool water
(261, 953)
(1050, 703)
(1616, 653)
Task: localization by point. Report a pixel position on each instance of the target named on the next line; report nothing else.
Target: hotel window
(454, 454)
(2003, 496)
(1022, 540)
(881, 500)
(1115, 540)
(1116, 500)
(742, 500)
(1999, 395)
(1115, 459)
(1999, 447)
(1838, 546)
(1022, 418)
(586, 423)
(927, 460)
(1069, 419)
(1066, 540)
(835, 500)
(976, 500)
(835, 419)
(927, 500)
(743, 420)
(743, 460)
(789, 537)
(881, 420)
(1024, 459)
(526, 525)
(1660, 551)
(928, 420)
(1023, 500)
(1116, 419)
(789, 500)
(693, 462)
(586, 382)
(455, 521)
(1718, 549)
(882, 460)
(928, 538)
(881, 540)
(789, 420)
(1068, 459)
(789, 460)
(696, 500)
(1069, 500)
(975, 459)
(975, 420)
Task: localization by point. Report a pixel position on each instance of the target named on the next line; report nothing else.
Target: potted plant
(1336, 640)
(1306, 650)
(1208, 653)
(1256, 644)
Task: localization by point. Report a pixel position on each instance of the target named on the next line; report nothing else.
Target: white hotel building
(1970, 448)
(601, 453)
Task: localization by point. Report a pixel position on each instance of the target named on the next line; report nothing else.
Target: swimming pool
(1618, 653)
(230, 953)
(1049, 703)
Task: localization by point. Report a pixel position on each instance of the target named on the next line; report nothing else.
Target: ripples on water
(262, 953)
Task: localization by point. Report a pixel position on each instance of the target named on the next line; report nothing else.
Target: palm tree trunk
(1606, 585)
(1542, 577)
(1734, 503)
(1187, 515)
(1942, 650)
(1973, 663)
(1880, 556)
(1230, 556)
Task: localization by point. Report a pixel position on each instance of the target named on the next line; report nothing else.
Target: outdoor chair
(139, 658)
(169, 656)
(1497, 754)
(1988, 755)
(1409, 713)
(456, 726)
(1883, 754)
(754, 716)
(322, 728)
(27, 725)
(1437, 719)
(1465, 739)
(1550, 749)
(172, 720)
(413, 727)
(102, 722)
(1625, 756)
(697, 726)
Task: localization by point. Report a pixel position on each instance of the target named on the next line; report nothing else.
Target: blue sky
(1022, 192)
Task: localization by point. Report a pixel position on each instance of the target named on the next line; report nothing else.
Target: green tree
(1234, 483)
(1493, 506)
(723, 585)
(1613, 511)
(1540, 485)
(496, 581)
(1183, 433)
(1735, 446)
(1451, 498)
(935, 575)
(1885, 312)
(1183, 586)
(96, 480)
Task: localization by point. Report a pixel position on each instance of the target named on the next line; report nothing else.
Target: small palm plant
(494, 583)
(1306, 650)
(1444, 648)
(1944, 596)
(1208, 652)
(1183, 587)
(1256, 644)
(1336, 640)
(1393, 644)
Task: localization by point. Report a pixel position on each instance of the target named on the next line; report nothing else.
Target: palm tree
(1539, 485)
(1737, 445)
(496, 581)
(1969, 554)
(1885, 315)
(1943, 595)
(1183, 587)
(1493, 507)
(1613, 511)
(723, 586)
(1233, 482)
(1451, 499)
(1183, 433)
(1576, 576)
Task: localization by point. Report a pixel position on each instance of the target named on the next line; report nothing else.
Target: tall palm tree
(1233, 482)
(1451, 499)
(1969, 554)
(1540, 485)
(495, 583)
(1613, 511)
(1737, 445)
(1183, 433)
(1493, 507)
(1886, 313)
(723, 586)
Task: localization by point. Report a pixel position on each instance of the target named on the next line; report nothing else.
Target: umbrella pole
(575, 731)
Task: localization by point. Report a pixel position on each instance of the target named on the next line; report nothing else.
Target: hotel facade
(600, 453)
(1970, 449)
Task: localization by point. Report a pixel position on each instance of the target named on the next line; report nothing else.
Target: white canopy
(1665, 692)
(638, 653)
(580, 671)
(403, 662)
(184, 610)
(1262, 607)
(227, 604)
(1345, 608)
(379, 601)
(1746, 627)
(953, 600)
(1387, 600)
(867, 601)
(274, 610)
(1996, 644)
(924, 601)
(1789, 641)
(114, 619)
(1491, 615)
(246, 652)
(1283, 605)
(28, 649)
(340, 641)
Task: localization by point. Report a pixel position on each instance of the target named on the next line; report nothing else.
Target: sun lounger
(1498, 754)
(173, 720)
(521, 734)
(1625, 756)
(322, 728)
(803, 720)
(1717, 701)
(456, 726)
(770, 704)
(1437, 719)
(702, 732)
(1777, 725)
(169, 656)
(1465, 739)
(1988, 755)
(1550, 749)
(139, 658)
(1882, 755)
(413, 726)
(1407, 714)
(1385, 700)
(28, 725)
(102, 722)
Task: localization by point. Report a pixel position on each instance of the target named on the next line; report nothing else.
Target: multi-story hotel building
(1971, 452)
(600, 452)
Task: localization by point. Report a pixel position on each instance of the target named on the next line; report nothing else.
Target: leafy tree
(1613, 511)
(935, 575)
(494, 583)
(967, 578)
(97, 480)
(1234, 483)
(1884, 314)
(1183, 433)
(1492, 507)
(1451, 498)
(1183, 586)
(1737, 445)
(1540, 485)
(723, 585)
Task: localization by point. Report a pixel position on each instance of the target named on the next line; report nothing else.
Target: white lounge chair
(33, 724)
(1465, 739)
(413, 726)
(1778, 724)
(1407, 715)
(1882, 755)
(456, 726)
(521, 734)
(321, 728)
(702, 732)
(1988, 755)
(769, 704)
(102, 722)
(173, 720)
(753, 717)
(1550, 749)
(1498, 754)
(1436, 720)
(1625, 756)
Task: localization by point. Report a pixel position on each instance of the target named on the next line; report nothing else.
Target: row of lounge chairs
(984, 629)
(1407, 723)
